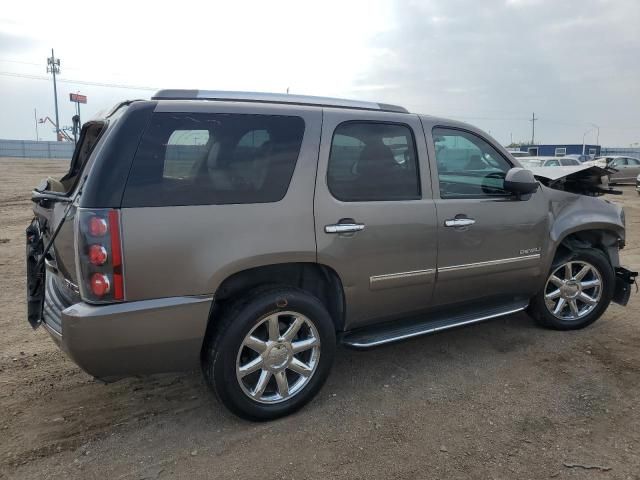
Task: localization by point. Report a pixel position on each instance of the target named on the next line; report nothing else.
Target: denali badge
(528, 251)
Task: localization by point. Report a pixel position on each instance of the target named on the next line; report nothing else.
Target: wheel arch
(606, 239)
(320, 280)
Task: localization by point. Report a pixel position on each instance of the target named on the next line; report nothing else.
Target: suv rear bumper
(130, 338)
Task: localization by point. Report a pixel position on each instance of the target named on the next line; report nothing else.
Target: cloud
(14, 44)
(491, 62)
(572, 62)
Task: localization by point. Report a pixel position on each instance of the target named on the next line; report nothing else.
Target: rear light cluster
(99, 255)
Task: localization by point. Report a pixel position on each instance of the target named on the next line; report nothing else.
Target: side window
(634, 162)
(619, 162)
(373, 162)
(552, 163)
(184, 148)
(206, 159)
(468, 166)
(569, 162)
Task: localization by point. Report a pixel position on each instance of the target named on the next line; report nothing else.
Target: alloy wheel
(278, 357)
(573, 290)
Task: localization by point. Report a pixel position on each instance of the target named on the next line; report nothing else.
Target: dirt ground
(503, 399)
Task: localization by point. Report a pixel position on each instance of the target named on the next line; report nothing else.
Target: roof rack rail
(274, 98)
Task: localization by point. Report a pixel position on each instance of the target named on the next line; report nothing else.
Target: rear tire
(576, 293)
(270, 353)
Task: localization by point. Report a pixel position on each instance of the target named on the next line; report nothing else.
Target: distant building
(560, 150)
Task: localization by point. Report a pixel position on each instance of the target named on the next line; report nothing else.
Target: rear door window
(372, 161)
(204, 159)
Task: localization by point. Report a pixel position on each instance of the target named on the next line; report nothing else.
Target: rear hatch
(83, 207)
(54, 208)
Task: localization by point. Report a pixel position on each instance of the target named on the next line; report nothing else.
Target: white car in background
(532, 162)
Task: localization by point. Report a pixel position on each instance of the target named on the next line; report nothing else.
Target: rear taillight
(99, 255)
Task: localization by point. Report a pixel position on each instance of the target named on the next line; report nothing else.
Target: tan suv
(251, 233)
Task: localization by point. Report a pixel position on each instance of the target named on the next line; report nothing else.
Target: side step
(380, 334)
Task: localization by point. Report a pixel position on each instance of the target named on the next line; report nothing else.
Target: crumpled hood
(589, 180)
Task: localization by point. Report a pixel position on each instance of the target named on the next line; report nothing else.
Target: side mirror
(520, 181)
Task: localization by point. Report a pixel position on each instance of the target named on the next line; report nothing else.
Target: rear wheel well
(606, 241)
(319, 280)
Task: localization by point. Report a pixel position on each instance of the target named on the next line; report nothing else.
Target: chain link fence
(33, 149)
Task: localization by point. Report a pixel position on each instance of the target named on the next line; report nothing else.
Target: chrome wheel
(573, 290)
(278, 357)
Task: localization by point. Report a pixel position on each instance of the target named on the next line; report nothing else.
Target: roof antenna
(287, 90)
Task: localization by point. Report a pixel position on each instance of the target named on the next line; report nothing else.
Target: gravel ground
(503, 399)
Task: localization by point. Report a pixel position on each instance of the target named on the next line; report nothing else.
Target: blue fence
(33, 149)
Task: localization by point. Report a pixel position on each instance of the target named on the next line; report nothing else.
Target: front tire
(271, 352)
(577, 291)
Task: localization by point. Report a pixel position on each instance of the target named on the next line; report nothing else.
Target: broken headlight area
(588, 180)
(624, 280)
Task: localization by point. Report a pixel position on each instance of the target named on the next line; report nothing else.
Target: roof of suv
(282, 98)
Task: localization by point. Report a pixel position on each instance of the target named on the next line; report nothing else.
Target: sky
(491, 63)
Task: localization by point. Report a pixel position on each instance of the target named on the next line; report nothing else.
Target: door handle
(344, 228)
(459, 222)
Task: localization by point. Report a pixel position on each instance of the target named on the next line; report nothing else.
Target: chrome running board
(381, 334)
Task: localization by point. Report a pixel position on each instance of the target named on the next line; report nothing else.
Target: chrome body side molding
(489, 263)
(401, 279)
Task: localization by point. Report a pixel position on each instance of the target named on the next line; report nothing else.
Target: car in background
(519, 154)
(580, 158)
(638, 184)
(530, 162)
(628, 168)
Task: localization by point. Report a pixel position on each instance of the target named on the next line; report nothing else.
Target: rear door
(489, 242)
(374, 215)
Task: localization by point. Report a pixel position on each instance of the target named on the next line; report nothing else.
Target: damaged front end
(588, 180)
(624, 279)
(581, 221)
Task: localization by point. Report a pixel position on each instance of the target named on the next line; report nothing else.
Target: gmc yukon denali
(250, 234)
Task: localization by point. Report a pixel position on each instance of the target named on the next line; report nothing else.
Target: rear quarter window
(213, 159)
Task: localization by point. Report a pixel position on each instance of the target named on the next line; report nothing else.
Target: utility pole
(533, 128)
(53, 66)
(597, 134)
(584, 136)
(35, 118)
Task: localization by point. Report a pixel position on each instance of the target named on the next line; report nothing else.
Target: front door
(374, 215)
(489, 242)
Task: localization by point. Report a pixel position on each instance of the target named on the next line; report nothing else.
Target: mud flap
(35, 274)
(624, 279)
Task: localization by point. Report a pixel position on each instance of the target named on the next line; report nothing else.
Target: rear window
(205, 159)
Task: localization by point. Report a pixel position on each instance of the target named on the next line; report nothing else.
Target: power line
(78, 82)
